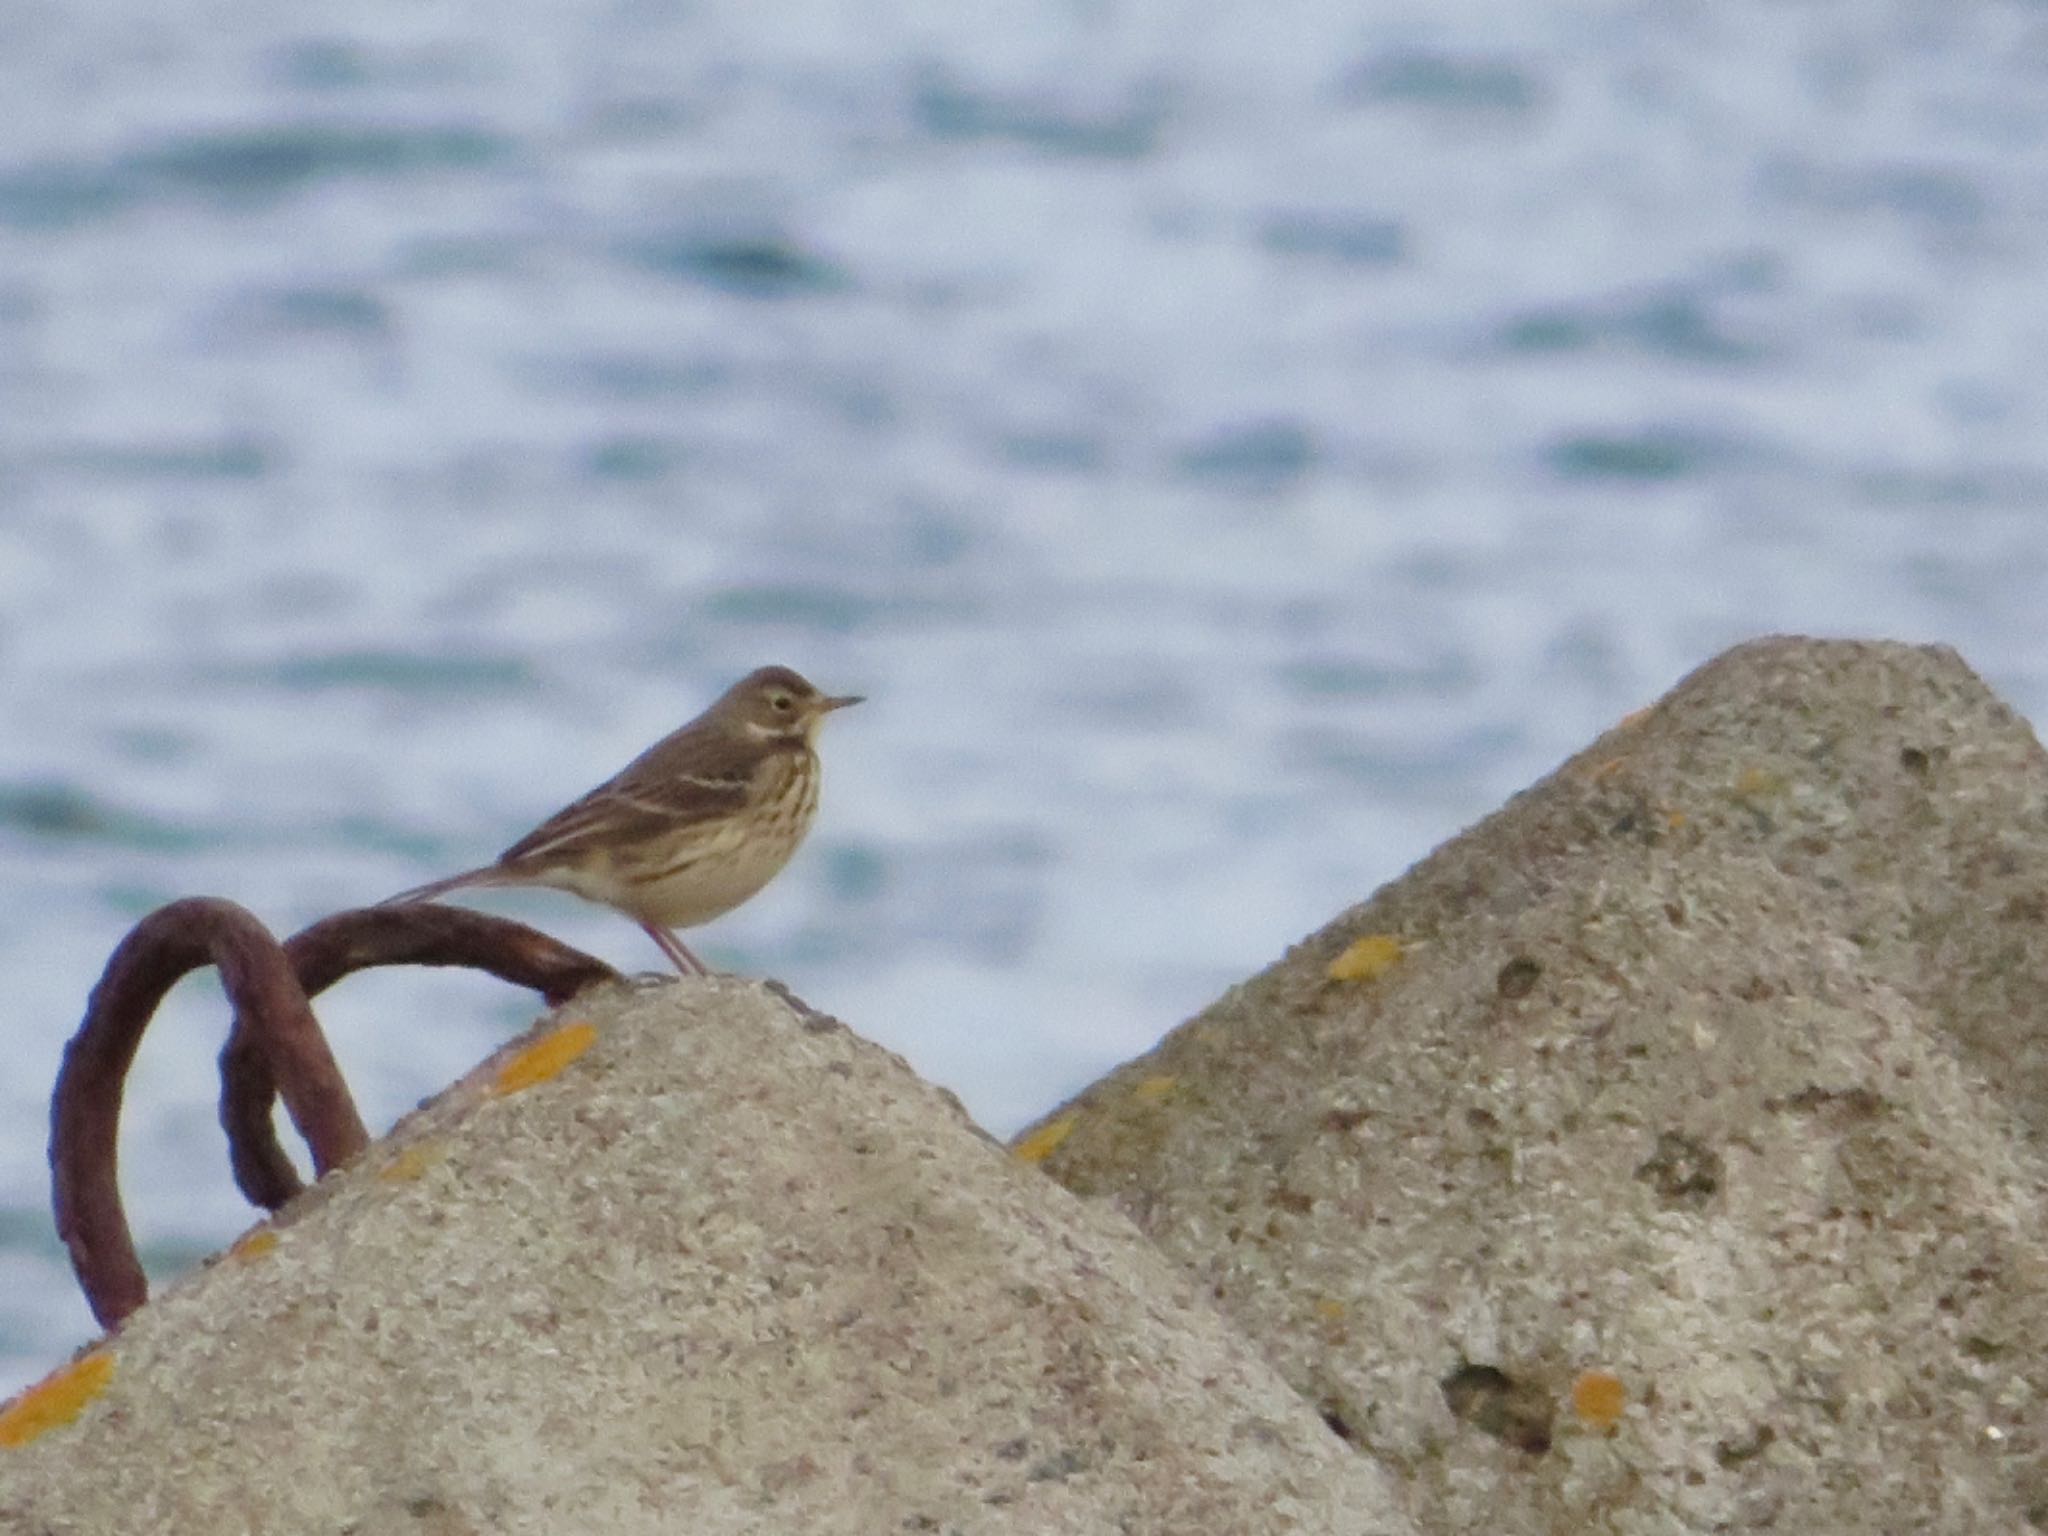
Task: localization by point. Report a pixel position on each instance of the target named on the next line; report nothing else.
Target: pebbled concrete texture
(1670, 1158)
(1664, 1154)
(712, 1264)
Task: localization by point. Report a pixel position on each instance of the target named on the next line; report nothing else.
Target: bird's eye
(782, 703)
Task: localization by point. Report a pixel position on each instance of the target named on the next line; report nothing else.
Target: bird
(689, 829)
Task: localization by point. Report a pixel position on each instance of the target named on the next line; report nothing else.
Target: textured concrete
(728, 1270)
(1681, 1170)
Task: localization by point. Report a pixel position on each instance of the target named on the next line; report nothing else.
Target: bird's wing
(678, 783)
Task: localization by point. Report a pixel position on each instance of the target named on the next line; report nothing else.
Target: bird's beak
(828, 705)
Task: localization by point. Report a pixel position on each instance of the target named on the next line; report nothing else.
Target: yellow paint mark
(1756, 783)
(1598, 1398)
(1156, 1088)
(545, 1058)
(253, 1244)
(1331, 1310)
(1674, 818)
(412, 1161)
(57, 1399)
(1367, 958)
(1043, 1142)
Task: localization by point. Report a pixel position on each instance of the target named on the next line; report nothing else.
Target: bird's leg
(685, 962)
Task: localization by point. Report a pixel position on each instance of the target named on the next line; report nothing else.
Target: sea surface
(1234, 448)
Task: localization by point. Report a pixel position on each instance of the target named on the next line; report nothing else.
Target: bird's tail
(489, 874)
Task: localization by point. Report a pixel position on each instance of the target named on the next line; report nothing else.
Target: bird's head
(777, 702)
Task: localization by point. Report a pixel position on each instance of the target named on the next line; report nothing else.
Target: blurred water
(1233, 447)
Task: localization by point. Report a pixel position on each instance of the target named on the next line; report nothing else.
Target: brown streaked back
(689, 777)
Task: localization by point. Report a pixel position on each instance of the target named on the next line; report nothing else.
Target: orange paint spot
(545, 1058)
(1040, 1144)
(1602, 772)
(1366, 959)
(253, 1244)
(1331, 1310)
(412, 1161)
(1155, 1089)
(57, 1399)
(1674, 818)
(1598, 1398)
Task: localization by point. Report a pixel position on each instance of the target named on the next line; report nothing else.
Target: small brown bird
(691, 827)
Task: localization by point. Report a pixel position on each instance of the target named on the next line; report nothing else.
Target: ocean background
(1234, 448)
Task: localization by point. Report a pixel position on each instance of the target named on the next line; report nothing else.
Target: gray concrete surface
(1664, 1155)
(731, 1270)
(1684, 1172)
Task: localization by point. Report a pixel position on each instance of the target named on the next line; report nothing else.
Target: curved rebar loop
(338, 946)
(85, 1108)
